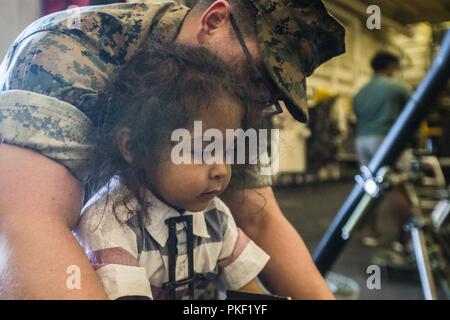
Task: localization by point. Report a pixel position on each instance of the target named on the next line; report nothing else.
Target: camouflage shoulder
(121, 25)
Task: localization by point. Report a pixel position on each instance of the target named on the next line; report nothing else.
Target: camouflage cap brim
(295, 37)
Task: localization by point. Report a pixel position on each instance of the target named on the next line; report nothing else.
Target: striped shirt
(130, 263)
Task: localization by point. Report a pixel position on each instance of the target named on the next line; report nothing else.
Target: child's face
(193, 186)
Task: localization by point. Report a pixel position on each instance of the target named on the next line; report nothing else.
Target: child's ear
(123, 138)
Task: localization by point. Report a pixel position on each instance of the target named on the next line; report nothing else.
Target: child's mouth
(208, 196)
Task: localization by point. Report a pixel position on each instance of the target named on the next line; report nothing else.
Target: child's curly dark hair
(163, 88)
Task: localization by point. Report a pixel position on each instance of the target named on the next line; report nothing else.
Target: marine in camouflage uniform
(54, 72)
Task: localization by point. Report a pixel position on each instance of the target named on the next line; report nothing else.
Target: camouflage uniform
(53, 73)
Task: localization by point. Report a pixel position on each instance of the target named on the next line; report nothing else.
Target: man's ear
(123, 138)
(216, 16)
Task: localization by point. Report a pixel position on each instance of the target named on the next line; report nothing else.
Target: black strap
(192, 278)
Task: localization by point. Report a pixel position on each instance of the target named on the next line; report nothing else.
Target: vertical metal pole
(420, 245)
(423, 263)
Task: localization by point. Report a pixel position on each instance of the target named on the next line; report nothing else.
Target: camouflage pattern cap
(295, 37)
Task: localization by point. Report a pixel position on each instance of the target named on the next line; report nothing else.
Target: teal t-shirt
(378, 104)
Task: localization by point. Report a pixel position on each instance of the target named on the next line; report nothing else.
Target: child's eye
(206, 154)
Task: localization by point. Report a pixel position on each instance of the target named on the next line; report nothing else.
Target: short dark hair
(384, 59)
(243, 11)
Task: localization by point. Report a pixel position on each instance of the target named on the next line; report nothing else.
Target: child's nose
(219, 171)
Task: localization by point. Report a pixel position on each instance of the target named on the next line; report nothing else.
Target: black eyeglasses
(272, 106)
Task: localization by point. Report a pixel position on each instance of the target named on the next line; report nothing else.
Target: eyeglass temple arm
(244, 48)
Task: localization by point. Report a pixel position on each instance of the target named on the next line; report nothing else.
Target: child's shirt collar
(159, 212)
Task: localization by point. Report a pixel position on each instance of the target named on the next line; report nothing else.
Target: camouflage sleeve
(51, 81)
(59, 66)
(53, 75)
(71, 55)
(48, 92)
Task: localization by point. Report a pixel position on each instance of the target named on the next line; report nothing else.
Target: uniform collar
(169, 25)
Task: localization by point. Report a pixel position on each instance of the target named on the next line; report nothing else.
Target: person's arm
(290, 271)
(39, 203)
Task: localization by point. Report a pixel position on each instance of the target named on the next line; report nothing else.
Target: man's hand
(290, 271)
(39, 202)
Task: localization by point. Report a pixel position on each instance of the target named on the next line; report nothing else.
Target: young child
(124, 228)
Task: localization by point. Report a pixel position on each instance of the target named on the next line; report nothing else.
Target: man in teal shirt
(377, 106)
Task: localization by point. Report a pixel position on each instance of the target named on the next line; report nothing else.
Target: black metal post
(332, 243)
